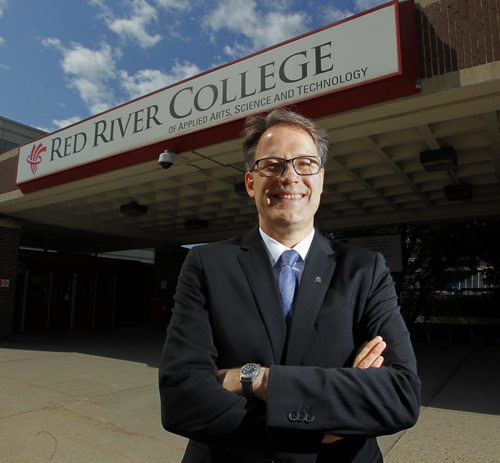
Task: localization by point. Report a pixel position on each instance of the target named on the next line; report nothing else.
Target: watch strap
(246, 386)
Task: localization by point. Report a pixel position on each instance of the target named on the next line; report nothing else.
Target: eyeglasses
(275, 167)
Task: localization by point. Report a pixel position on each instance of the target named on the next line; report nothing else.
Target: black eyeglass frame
(285, 163)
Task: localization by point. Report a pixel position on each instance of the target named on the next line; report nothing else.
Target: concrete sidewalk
(94, 398)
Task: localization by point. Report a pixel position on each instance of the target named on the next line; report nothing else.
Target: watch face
(250, 370)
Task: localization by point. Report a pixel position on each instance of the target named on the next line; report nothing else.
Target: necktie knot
(289, 258)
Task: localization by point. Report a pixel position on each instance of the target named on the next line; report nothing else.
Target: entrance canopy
(401, 151)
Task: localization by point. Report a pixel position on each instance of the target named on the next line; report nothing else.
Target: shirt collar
(275, 248)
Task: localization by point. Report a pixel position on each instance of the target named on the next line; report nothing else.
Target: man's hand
(230, 380)
(369, 356)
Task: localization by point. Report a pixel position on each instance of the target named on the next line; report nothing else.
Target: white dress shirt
(275, 249)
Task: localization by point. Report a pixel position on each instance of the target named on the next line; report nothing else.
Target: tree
(434, 248)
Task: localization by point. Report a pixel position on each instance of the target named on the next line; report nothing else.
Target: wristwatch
(248, 373)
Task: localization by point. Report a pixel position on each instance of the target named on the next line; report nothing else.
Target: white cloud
(333, 14)
(88, 72)
(3, 6)
(174, 4)
(236, 50)
(149, 80)
(61, 123)
(362, 5)
(53, 42)
(134, 27)
(260, 28)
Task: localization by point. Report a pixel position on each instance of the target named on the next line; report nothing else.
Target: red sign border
(397, 85)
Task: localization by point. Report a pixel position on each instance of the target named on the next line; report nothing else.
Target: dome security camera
(166, 159)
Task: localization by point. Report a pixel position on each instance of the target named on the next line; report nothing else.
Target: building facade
(440, 95)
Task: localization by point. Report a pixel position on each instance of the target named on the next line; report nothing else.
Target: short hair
(255, 126)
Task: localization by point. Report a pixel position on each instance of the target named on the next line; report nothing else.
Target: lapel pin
(318, 280)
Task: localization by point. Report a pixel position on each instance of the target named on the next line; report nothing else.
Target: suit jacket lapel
(314, 283)
(257, 268)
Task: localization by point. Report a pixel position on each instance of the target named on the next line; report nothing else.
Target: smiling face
(286, 204)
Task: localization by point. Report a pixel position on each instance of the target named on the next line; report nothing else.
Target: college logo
(35, 156)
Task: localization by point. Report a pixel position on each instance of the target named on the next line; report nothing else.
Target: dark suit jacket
(227, 313)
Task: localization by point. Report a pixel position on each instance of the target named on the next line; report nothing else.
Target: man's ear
(249, 184)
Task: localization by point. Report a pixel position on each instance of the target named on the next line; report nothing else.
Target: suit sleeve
(193, 403)
(353, 401)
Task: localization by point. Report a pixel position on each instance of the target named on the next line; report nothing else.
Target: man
(266, 357)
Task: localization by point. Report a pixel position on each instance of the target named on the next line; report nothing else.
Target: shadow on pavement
(461, 377)
(142, 345)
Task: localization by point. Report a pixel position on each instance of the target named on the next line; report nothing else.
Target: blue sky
(64, 60)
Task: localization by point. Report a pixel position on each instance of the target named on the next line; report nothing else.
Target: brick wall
(9, 248)
(8, 173)
(457, 34)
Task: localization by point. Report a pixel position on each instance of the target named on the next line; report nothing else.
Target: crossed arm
(369, 356)
(358, 401)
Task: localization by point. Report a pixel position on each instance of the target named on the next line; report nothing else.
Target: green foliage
(433, 248)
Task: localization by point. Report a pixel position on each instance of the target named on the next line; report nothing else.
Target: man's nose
(289, 172)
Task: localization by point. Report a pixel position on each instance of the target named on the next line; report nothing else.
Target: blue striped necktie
(287, 280)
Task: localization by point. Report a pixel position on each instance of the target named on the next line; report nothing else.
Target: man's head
(284, 154)
(255, 126)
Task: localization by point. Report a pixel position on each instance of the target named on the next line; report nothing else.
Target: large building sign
(350, 53)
